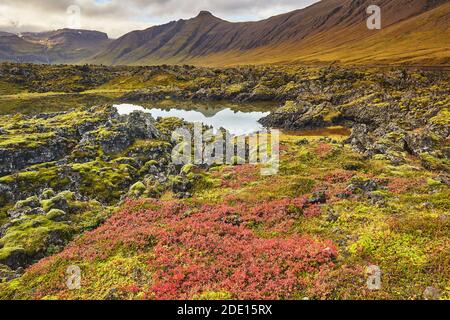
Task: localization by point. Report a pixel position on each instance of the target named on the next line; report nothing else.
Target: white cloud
(117, 17)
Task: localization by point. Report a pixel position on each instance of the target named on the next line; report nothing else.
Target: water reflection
(235, 122)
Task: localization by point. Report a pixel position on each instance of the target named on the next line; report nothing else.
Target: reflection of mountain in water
(236, 122)
(209, 109)
(209, 112)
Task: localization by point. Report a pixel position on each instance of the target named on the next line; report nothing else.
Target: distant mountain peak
(205, 13)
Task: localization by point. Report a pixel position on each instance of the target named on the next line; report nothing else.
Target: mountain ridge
(208, 40)
(329, 31)
(57, 46)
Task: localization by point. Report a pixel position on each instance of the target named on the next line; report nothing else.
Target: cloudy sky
(116, 17)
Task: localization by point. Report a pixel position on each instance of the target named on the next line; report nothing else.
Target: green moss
(214, 295)
(56, 215)
(400, 251)
(291, 86)
(31, 202)
(234, 88)
(298, 186)
(28, 141)
(169, 125)
(433, 183)
(137, 190)
(104, 181)
(204, 182)
(142, 149)
(187, 169)
(63, 199)
(432, 163)
(33, 235)
(125, 160)
(262, 90)
(48, 194)
(442, 118)
(289, 107)
(7, 252)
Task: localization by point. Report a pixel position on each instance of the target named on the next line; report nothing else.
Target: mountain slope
(413, 32)
(68, 45)
(422, 40)
(329, 30)
(14, 48)
(60, 46)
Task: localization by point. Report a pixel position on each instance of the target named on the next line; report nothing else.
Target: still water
(235, 122)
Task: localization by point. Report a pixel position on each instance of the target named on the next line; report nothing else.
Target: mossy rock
(148, 166)
(57, 215)
(47, 194)
(13, 257)
(137, 189)
(289, 107)
(6, 274)
(127, 161)
(31, 202)
(169, 125)
(61, 201)
(31, 239)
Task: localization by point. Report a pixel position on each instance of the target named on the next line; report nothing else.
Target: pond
(236, 122)
(237, 118)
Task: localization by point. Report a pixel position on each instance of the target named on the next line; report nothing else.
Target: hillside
(329, 31)
(14, 48)
(325, 32)
(420, 40)
(60, 46)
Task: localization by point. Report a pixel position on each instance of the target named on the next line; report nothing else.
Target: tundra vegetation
(364, 180)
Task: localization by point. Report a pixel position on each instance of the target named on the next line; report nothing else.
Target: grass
(32, 103)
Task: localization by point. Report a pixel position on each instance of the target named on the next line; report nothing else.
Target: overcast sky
(117, 17)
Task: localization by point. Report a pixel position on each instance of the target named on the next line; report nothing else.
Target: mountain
(14, 48)
(328, 31)
(60, 46)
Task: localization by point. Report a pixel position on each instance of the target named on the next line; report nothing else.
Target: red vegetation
(208, 249)
(240, 175)
(312, 211)
(403, 185)
(339, 176)
(324, 149)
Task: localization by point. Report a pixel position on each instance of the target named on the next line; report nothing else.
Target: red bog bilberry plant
(193, 251)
